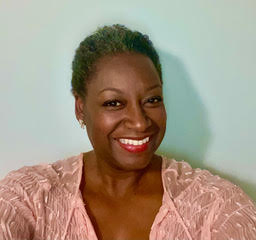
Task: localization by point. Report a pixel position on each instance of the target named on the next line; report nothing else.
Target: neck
(112, 181)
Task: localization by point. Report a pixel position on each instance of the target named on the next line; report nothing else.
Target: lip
(135, 148)
(135, 138)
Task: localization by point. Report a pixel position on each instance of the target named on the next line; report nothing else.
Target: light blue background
(208, 51)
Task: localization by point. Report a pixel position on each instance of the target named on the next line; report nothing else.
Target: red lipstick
(134, 148)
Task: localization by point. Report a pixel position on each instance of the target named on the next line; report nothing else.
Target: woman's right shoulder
(31, 179)
(23, 192)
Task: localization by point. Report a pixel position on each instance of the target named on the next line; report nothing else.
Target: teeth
(134, 142)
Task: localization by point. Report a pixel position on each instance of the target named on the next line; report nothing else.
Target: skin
(122, 190)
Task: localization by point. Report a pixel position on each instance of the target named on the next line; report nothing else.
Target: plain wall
(208, 54)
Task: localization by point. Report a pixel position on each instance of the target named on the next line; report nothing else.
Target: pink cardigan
(44, 203)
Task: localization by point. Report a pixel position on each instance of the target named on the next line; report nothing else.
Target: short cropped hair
(108, 40)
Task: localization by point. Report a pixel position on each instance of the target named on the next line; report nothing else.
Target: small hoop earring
(81, 122)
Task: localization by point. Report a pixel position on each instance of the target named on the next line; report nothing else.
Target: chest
(123, 219)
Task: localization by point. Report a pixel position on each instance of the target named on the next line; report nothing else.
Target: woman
(121, 189)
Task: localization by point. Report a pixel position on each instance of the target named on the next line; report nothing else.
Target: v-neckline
(163, 210)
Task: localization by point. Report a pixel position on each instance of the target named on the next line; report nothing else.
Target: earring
(81, 122)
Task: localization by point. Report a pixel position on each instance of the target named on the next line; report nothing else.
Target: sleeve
(236, 218)
(16, 218)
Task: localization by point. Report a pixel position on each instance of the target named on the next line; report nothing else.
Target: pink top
(44, 203)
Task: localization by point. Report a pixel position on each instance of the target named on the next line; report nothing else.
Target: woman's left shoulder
(180, 177)
(228, 212)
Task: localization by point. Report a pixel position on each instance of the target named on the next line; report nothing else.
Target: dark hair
(108, 40)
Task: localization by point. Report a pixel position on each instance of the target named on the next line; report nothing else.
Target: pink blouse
(44, 203)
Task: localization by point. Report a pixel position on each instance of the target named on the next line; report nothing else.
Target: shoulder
(180, 177)
(227, 210)
(27, 195)
(30, 179)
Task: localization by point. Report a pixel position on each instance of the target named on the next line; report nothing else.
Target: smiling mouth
(133, 142)
(134, 145)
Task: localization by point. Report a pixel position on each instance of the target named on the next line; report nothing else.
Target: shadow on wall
(188, 132)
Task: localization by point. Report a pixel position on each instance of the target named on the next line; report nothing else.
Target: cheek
(164, 117)
(159, 117)
(103, 125)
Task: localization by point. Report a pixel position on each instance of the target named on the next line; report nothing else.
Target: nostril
(136, 118)
(139, 123)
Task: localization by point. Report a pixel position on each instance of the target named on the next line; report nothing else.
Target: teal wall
(208, 53)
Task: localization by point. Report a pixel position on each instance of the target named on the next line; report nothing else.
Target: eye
(155, 99)
(112, 103)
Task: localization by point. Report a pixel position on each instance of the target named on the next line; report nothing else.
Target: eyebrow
(119, 91)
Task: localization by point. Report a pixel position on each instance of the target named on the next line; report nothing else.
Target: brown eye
(156, 99)
(112, 103)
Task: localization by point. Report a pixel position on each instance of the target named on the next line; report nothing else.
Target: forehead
(124, 71)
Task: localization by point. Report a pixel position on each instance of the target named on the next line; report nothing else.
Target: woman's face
(123, 111)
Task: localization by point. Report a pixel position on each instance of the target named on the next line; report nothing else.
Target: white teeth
(125, 141)
(145, 140)
(134, 142)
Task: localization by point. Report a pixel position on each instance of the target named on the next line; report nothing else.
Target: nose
(137, 119)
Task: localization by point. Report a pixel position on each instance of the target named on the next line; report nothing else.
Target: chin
(133, 161)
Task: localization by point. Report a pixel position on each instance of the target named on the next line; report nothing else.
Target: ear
(79, 107)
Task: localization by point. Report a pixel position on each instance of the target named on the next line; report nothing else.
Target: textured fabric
(44, 202)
